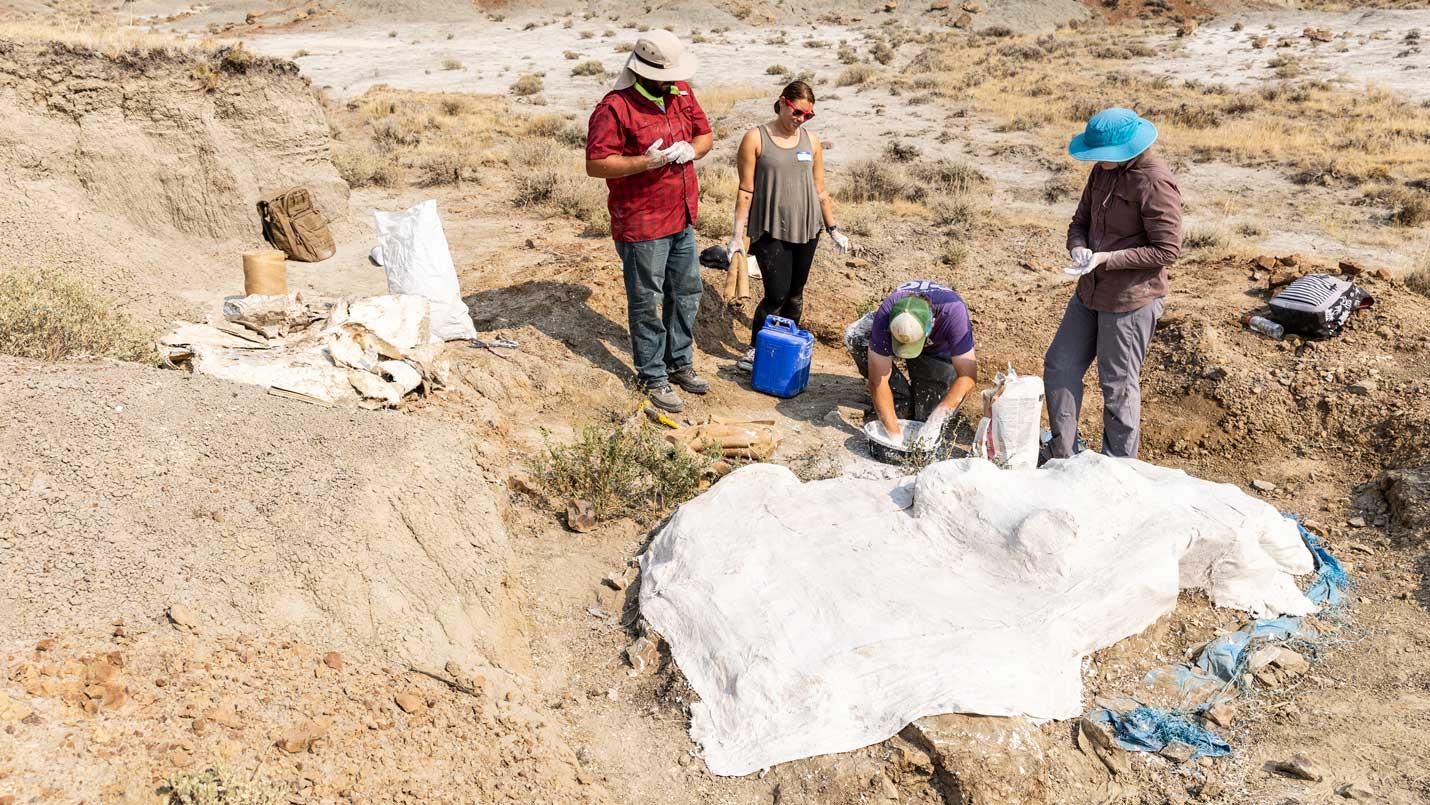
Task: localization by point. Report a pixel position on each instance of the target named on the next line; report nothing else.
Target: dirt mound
(131, 490)
(127, 164)
(113, 717)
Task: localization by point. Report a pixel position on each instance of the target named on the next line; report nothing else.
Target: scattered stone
(1264, 486)
(1317, 34)
(891, 5)
(223, 715)
(643, 655)
(1357, 791)
(1290, 260)
(200, 726)
(1356, 522)
(580, 516)
(301, 737)
(1281, 277)
(1187, 28)
(1407, 493)
(616, 581)
(1290, 662)
(1177, 752)
(1381, 274)
(1215, 373)
(1351, 269)
(1264, 262)
(45, 645)
(1210, 790)
(972, 7)
(1259, 42)
(1298, 767)
(409, 702)
(1362, 387)
(856, 262)
(182, 617)
(334, 660)
(1222, 714)
(12, 710)
(964, 21)
(993, 759)
(938, 5)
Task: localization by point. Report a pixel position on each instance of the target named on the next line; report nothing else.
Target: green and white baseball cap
(909, 323)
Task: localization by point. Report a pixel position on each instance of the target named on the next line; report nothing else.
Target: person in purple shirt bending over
(927, 326)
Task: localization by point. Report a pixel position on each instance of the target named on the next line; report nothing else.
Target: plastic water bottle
(1265, 326)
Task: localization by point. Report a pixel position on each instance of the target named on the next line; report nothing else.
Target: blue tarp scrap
(1150, 729)
(1220, 665)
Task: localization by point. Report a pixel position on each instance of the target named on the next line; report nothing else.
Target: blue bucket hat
(1113, 135)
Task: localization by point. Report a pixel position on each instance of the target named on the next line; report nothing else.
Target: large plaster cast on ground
(825, 616)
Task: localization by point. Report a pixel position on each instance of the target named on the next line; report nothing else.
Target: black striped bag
(1318, 305)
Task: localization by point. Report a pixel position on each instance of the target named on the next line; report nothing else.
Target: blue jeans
(663, 288)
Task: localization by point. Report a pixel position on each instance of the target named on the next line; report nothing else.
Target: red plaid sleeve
(604, 137)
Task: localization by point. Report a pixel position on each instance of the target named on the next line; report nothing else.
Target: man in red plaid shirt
(643, 139)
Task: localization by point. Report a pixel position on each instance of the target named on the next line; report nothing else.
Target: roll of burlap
(265, 272)
(737, 282)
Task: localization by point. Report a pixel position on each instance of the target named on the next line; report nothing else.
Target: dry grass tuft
(47, 316)
(856, 74)
(619, 470)
(590, 67)
(220, 785)
(529, 84)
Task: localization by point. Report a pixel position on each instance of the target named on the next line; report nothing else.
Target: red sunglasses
(799, 113)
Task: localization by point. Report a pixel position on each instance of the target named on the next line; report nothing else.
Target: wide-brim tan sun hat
(660, 56)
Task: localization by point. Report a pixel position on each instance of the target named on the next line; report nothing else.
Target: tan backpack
(292, 223)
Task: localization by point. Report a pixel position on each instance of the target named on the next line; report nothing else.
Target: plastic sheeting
(417, 261)
(822, 617)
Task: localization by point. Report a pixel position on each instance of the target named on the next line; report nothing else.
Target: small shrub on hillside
(855, 74)
(897, 151)
(997, 32)
(1419, 281)
(847, 55)
(1203, 237)
(571, 55)
(778, 69)
(958, 214)
(955, 254)
(47, 316)
(619, 470)
(362, 167)
(300, 53)
(881, 52)
(1250, 229)
(220, 785)
(437, 167)
(529, 84)
(591, 67)
(873, 180)
(1021, 52)
(559, 129)
(1061, 186)
(451, 64)
(1409, 208)
(625, 47)
(587, 34)
(947, 175)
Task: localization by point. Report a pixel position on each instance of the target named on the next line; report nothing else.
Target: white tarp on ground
(825, 616)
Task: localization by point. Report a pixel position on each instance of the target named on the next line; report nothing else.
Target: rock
(1381, 274)
(1222, 714)
(891, 5)
(1356, 522)
(409, 702)
(993, 759)
(334, 660)
(1265, 262)
(45, 645)
(1298, 767)
(616, 581)
(182, 617)
(1407, 494)
(856, 262)
(12, 710)
(302, 736)
(580, 516)
(1362, 387)
(1351, 269)
(1177, 752)
(200, 726)
(250, 18)
(223, 715)
(964, 21)
(1259, 42)
(938, 5)
(1281, 277)
(643, 655)
(971, 7)
(1290, 260)
(1317, 34)
(1215, 373)
(1264, 486)
(1357, 791)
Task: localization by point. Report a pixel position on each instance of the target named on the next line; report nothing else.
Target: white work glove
(841, 241)
(932, 431)
(1093, 260)
(657, 157)
(736, 244)
(681, 152)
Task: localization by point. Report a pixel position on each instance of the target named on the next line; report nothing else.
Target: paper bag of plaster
(415, 255)
(1008, 435)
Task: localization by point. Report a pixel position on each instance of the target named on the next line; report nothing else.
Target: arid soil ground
(353, 606)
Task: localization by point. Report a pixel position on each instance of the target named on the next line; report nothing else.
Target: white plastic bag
(415, 255)
(1008, 436)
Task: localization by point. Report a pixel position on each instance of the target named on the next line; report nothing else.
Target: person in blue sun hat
(1125, 233)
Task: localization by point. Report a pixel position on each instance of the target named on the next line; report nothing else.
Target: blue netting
(1329, 587)
(1150, 729)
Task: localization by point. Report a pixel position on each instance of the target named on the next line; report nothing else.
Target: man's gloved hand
(841, 241)
(681, 152)
(657, 157)
(932, 431)
(1080, 255)
(1094, 259)
(736, 244)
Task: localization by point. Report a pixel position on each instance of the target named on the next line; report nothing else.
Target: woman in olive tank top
(782, 206)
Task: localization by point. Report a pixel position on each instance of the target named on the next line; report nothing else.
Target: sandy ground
(1371, 48)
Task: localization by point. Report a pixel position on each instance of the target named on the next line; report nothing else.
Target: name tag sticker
(804, 156)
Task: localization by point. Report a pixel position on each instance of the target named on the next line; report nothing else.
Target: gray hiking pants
(1119, 343)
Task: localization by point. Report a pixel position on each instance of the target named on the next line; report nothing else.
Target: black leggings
(784, 267)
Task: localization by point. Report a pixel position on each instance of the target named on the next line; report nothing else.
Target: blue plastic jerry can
(782, 356)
